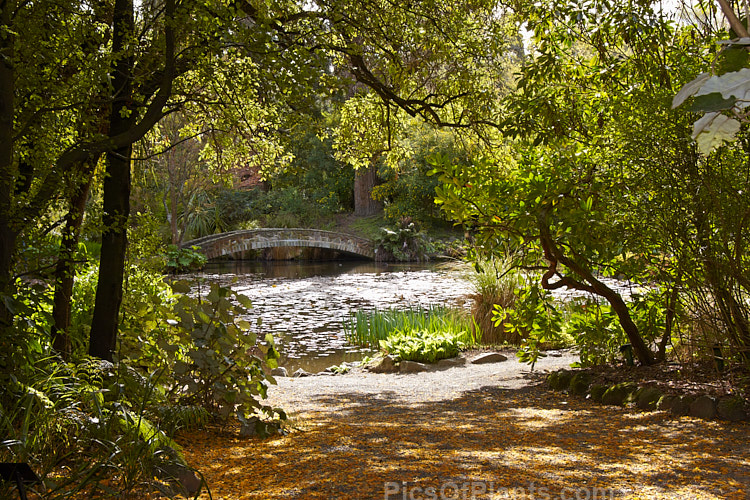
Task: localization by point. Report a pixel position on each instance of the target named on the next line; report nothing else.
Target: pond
(304, 304)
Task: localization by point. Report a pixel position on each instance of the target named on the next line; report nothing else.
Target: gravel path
(297, 395)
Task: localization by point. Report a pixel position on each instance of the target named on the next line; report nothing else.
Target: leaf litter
(488, 442)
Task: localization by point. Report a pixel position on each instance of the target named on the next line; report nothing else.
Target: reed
(369, 327)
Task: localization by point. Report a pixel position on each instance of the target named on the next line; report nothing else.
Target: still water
(304, 304)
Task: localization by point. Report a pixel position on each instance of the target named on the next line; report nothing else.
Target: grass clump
(495, 284)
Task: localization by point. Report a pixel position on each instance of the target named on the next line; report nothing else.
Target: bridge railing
(267, 237)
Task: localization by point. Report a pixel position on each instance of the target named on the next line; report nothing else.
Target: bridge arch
(237, 242)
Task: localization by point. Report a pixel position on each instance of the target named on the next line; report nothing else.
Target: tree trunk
(8, 234)
(554, 255)
(65, 268)
(364, 180)
(104, 324)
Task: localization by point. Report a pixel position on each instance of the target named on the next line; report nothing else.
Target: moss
(579, 384)
(597, 391)
(619, 394)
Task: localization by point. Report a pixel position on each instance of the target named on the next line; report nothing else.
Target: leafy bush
(422, 346)
(214, 358)
(403, 242)
(535, 318)
(597, 332)
(180, 260)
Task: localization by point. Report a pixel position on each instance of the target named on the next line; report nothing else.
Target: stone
(681, 405)
(280, 372)
(579, 384)
(387, 364)
(666, 402)
(300, 373)
(560, 380)
(732, 408)
(451, 362)
(249, 427)
(412, 367)
(597, 391)
(619, 394)
(174, 468)
(190, 481)
(647, 397)
(489, 357)
(703, 407)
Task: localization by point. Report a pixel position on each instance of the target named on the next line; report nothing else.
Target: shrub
(180, 260)
(422, 346)
(402, 242)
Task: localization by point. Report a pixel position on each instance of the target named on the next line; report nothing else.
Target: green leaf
(245, 301)
(181, 286)
(712, 102)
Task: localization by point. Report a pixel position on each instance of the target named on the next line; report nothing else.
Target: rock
(490, 357)
(176, 469)
(280, 372)
(681, 405)
(451, 362)
(579, 384)
(596, 392)
(647, 397)
(249, 427)
(666, 402)
(301, 373)
(560, 380)
(412, 367)
(619, 394)
(703, 407)
(732, 408)
(387, 364)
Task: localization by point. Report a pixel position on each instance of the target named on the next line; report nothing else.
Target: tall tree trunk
(65, 268)
(8, 233)
(104, 324)
(364, 180)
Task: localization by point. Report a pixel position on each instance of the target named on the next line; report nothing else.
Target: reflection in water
(304, 304)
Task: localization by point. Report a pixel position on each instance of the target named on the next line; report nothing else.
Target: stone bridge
(237, 242)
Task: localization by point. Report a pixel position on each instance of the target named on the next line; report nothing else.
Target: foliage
(421, 346)
(372, 327)
(597, 332)
(180, 260)
(535, 318)
(406, 188)
(722, 96)
(211, 357)
(96, 422)
(494, 283)
(403, 242)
